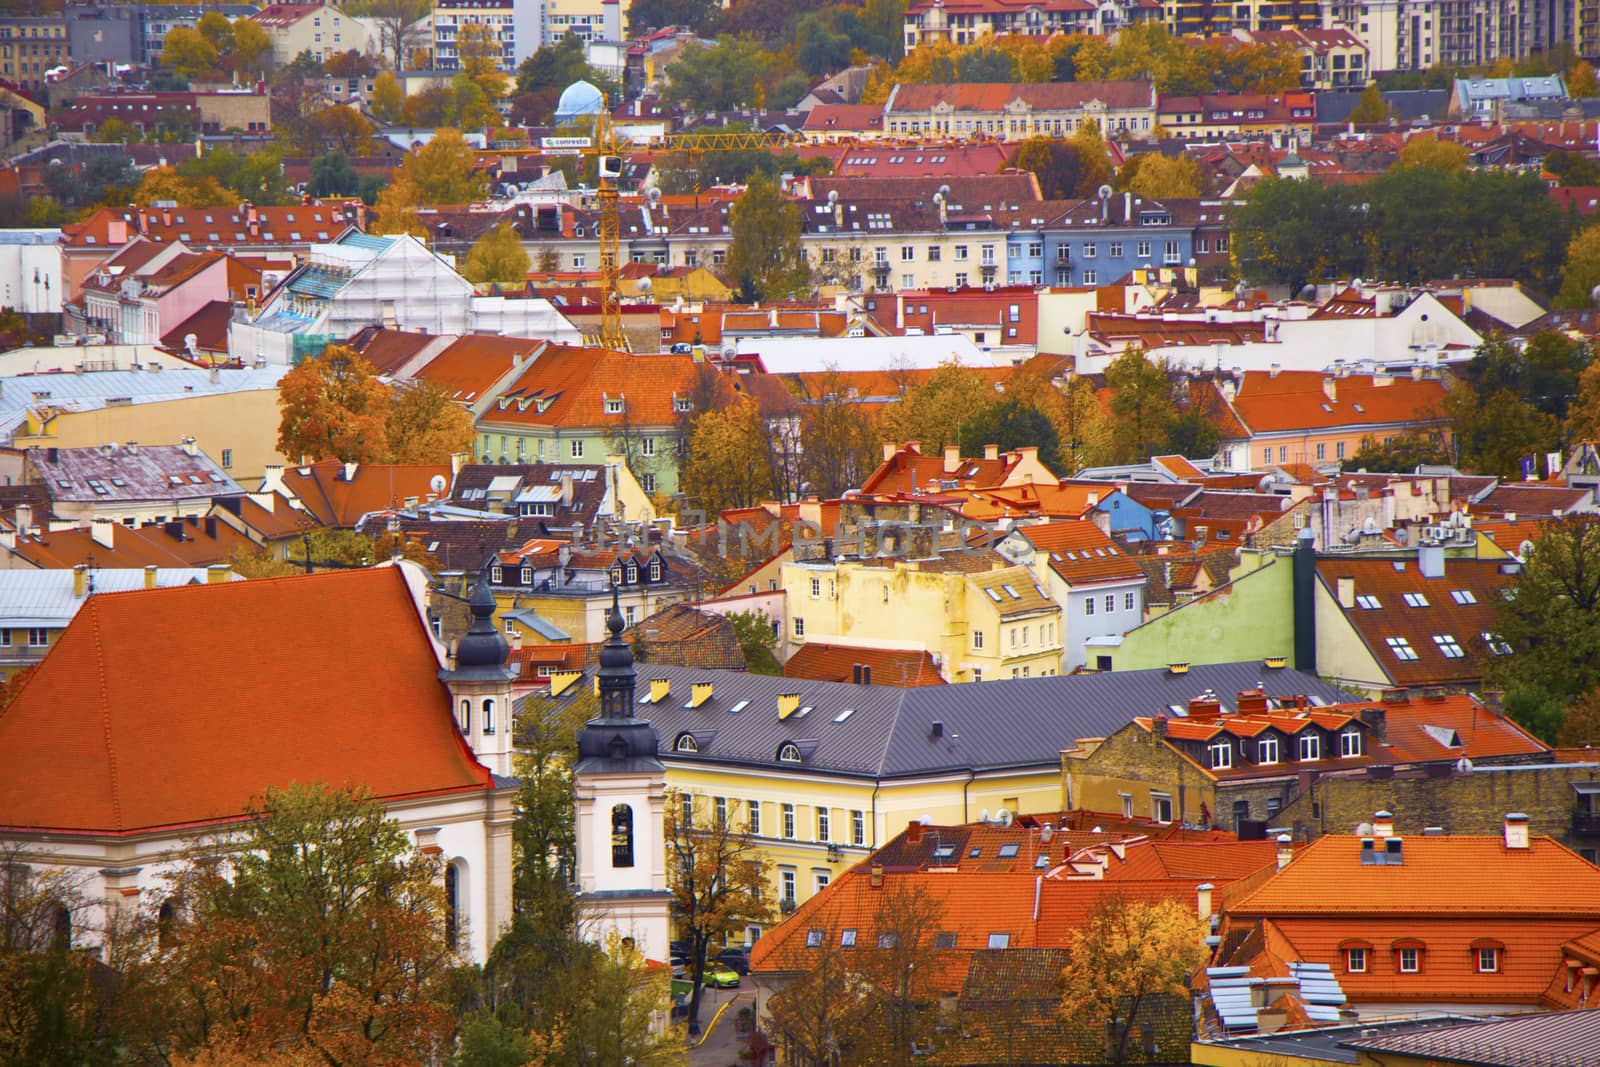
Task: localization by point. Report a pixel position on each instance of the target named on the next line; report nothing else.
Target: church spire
(616, 668)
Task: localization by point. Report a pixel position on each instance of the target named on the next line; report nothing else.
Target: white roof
(794, 355)
(44, 598)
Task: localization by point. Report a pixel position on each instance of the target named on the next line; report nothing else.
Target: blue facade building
(1105, 238)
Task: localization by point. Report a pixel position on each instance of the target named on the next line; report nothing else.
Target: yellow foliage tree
(479, 50)
(187, 53)
(1583, 417)
(252, 49)
(730, 459)
(397, 209)
(1582, 83)
(425, 426)
(498, 256)
(443, 170)
(935, 412)
(387, 98)
(1433, 154)
(1160, 176)
(165, 183)
(334, 407)
(1126, 953)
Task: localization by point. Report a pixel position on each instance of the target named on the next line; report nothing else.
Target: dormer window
(789, 752)
(686, 743)
(613, 405)
(655, 570)
(681, 404)
(633, 573)
(1349, 743)
(496, 574)
(616, 575)
(527, 575)
(1267, 749)
(1221, 755)
(1310, 746)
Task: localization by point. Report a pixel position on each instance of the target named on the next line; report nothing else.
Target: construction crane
(608, 152)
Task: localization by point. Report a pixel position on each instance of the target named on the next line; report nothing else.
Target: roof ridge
(105, 713)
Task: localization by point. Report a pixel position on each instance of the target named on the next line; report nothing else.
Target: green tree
(1550, 618)
(1401, 454)
(255, 176)
(698, 16)
(1012, 423)
(332, 175)
(765, 260)
(1094, 165)
(1371, 108)
(1142, 409)
(757, 639)
(936, 412)
(498, 256)
(725, 77)
(818, 49)
(1572, 168)
(1492, 433)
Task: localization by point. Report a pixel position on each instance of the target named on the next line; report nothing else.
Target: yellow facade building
(981, 620)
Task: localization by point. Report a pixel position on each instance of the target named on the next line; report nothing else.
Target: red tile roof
(338, 500)
(1296, 400)
(571, 384)
(1041, 96)
(839, 663)
(153, 738)
(468, 368)
(1080, 553)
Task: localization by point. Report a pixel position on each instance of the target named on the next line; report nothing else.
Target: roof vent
(937, 729)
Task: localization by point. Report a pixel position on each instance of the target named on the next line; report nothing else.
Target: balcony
(1586, 822)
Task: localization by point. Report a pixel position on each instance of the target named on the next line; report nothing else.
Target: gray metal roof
(889, 731)
(116, 474)
(1550, 1039)
(84, 392)
(44, 598)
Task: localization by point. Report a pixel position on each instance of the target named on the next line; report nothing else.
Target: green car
(719, 977)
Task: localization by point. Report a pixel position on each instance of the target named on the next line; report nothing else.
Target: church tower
(621, 792)
(480, 684)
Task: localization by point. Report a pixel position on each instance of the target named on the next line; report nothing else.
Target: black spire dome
(616, 741)
(481, 653)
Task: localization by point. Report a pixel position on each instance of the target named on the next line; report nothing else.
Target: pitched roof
(115, 733)
(841, 663)
(1534, 500)
(1444, 876)
(468, 368)
(889, 731)
(1080, 552)
(45, 598)
(1013, 592)
(109, 474)
(1040, 96)
(1296, 400)
(186, 542)
(568, 386)
(1564, 1037)
(340, 496)
(1405, 606)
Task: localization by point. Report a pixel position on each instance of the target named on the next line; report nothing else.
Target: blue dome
(579, 98)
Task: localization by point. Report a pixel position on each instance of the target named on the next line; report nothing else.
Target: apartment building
(1204, 18)
(30, 47)
(966, 21)
(451, 16)
(1015, 112)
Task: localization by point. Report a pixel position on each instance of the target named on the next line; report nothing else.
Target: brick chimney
(952, 458)
(1285, 850)
(1382, 824)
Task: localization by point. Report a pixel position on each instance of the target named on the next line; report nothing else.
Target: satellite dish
(1370, 526)
(191, 344)
(833, 196)
(1355, 283)
(1104, 192)
(654, 196)
(1463, 765)
(1240, 290)
(1363, 829)
(1004, 816)
(1401, 535)
(1594, 294)
(437, 483)
(645, 285)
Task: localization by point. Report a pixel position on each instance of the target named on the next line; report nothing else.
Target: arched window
(466, 715)
(687, 743)
(789, 752)
(167, 924)
(452, 904)
(622, 836)
(488, 716)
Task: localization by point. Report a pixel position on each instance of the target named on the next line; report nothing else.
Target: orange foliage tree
(334, 407)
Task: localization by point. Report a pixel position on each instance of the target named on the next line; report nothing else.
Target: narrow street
(722, 1042)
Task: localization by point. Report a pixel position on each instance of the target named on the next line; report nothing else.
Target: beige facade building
(1015, 112)
(320, 29)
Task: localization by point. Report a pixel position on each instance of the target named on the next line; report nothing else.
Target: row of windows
(1409, 960)
(488, 716)
(1309, 746)
(1129, 603)
(848, 937)
(37, 638)
(720, 810)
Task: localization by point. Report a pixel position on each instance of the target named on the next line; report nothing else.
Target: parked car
(737, 959)
(718, 976)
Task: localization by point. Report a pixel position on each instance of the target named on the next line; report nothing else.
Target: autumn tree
(1400, 454)
(1142, 410)
(613, 1023)
(498, 256)
(716, 874)
(165, 183)
(1371, 108)
(399, 32)
(1582, 83)
(1094, 164)
(336, 949)
(899, 978)
(1073, 407)
(936, 412)
(440, 172)
(188, 53)
(1126, 954)
(1580, 274)
(1583, 417)
(252, 49)
(1159, 177)
(819, 1011)
(839, 445)
(334, 407)
(425, 426)
(729, 464)
(765, 261)
(1433, 153)
(1550, 618)
(387, 98)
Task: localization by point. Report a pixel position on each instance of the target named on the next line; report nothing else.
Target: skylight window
(1416, 600)
(1449, 646)
(944, 852)
(1012, 593)
(1008, 851)
(993, 595)
(737, 708)
(1463, 596)
(1401, 647)
(1370, 603)
(1496, 644)
(845, 714)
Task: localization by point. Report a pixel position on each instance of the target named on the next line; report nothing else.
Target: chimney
(1274, 370)
(1127, 206)
(350, 471)
(151, 573)
(104, 532)
(1158, 728)
(188, 445)
(566, 490)
(1430, 560)
(937, 729)
(218, 573)
(1330, 389)
(1516, 830)
(1202, 903)
(1382, 824)
(24, 519)
(888, 451)
(914, 831)
(1347, 591)
(80, 581)
(1494, 701)
(1377, 720)
(952, 458)
(659, 688)
(1285, 850)
(991, 451)
(1205, 708)
(877, 876)
(700, 692)
(788, 703)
